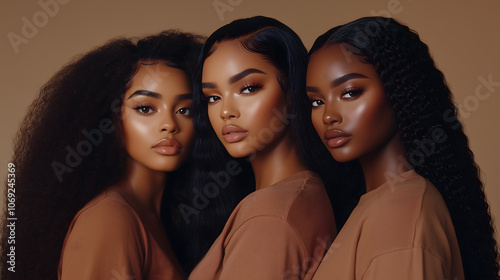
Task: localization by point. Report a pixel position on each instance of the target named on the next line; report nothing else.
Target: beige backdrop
(38, 37)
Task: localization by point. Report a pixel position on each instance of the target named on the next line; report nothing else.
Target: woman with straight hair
(248, 74)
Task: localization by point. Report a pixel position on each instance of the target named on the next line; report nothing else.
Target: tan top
(401, 230)
(279, 232)
(107, 240)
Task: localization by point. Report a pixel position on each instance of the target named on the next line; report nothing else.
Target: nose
(331, 115)
(229, 110)
(168, 124)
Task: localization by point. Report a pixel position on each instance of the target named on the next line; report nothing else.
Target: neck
(384, 163)
(276, 163)
(143, 187)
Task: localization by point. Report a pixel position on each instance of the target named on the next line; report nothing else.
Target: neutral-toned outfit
(279, 232)
(401, 230)
(107, 240)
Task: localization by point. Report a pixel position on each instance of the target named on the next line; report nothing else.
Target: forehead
(337, 60)
(231, 56)
(158, 77)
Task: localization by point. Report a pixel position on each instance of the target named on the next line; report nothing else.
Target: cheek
(358, 117)
(317, 120)
(373, 121)
(266, 108)
(135, 129)
(213, 112)
(187, 132)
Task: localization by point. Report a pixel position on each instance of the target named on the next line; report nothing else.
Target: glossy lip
(167, 147)
(336, 138)
(233, 133)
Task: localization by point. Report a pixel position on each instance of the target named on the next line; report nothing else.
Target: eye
(213, 98)
(351, 93)
(317, 102)
(144, 109)
(186, 111)
(251, 88)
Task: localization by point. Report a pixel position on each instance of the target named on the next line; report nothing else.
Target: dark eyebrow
(145, 93)
(346, 78)
(243, 74)
(312, 89)
(185, 96)
(208, 85)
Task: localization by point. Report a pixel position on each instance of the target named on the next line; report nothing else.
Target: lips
(233, 133)
(168, 147)
(336, 138)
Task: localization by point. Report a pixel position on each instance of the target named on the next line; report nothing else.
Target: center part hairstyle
(70, 146)
(428, 124)
(283, 48)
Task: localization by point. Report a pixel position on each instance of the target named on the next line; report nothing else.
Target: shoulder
(409, 194)
(404, 213)
(279, 200)
(106, 236)
(108, 213)
(299, 202)
(403, 193)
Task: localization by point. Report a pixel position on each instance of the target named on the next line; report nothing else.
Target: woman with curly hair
(97, 158)
(249, 71)
(378, 98)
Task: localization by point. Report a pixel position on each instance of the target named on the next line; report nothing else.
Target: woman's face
(156, 116)
(245, 101)
(349, 108)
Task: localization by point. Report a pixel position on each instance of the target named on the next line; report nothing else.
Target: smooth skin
(158, 130)
(247, 110)
(351, 114)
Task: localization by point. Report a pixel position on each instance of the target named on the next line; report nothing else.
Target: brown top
(279, 232)
(107, 240)
(401, 230)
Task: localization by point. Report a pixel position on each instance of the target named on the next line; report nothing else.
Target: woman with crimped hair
(248, 73)
(97, 159)
(378, 98)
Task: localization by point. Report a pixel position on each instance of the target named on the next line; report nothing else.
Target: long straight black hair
(283, 48)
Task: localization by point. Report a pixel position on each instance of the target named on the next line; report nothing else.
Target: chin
(240, 151)
(166, 164)
(342, 157)
(167, 167)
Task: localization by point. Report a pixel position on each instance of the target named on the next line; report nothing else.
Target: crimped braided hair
(59, 167)
(423, 107)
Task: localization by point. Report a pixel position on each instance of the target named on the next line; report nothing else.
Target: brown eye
(213, 98)
(351, 93)
(317, 102)
(184, 111)
(144, 109)
(249, 89)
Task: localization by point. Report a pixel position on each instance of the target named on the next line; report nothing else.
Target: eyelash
(213, 98)
(139, 108)
(353, 92)
(314, 102)
(188, 112)
(252, 87)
